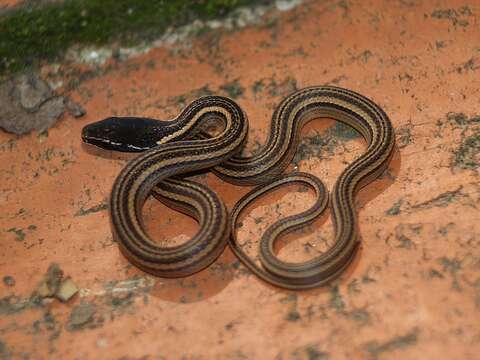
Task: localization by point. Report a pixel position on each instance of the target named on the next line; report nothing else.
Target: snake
(173, 149)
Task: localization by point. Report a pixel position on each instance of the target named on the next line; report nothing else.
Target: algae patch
(46, 31)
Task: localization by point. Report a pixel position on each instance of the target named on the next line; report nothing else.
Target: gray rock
(73, 108)
(49, 113)
(81, 315)
(31, 92)
(27, 103)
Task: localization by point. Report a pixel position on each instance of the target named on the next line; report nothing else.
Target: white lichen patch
(89, 55)
(286, 5)
(122, 286)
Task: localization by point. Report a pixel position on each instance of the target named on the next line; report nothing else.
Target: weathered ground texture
(413, 291)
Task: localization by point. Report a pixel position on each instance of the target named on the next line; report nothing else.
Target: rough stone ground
(412, 292)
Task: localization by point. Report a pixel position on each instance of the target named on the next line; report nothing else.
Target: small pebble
(66, 290)
(102, 343)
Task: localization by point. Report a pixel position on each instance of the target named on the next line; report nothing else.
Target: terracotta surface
(7, 3)
(413, 290)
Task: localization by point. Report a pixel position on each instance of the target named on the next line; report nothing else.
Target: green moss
(456, 16)
(29, 35)
(466, 156)
(452, 265)
(293, 316)
(361, 316)
(310, 352)
(233, 89)
(336, 301)
(19, 233)
(344, 131)
(376, 349)
(395, 209)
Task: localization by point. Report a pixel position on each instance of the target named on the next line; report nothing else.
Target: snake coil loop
(178, 147)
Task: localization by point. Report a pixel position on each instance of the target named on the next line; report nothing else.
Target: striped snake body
(181, 147)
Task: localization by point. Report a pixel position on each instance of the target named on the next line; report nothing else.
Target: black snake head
(125, 134)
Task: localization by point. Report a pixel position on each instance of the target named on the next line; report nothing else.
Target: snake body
(181, 148)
